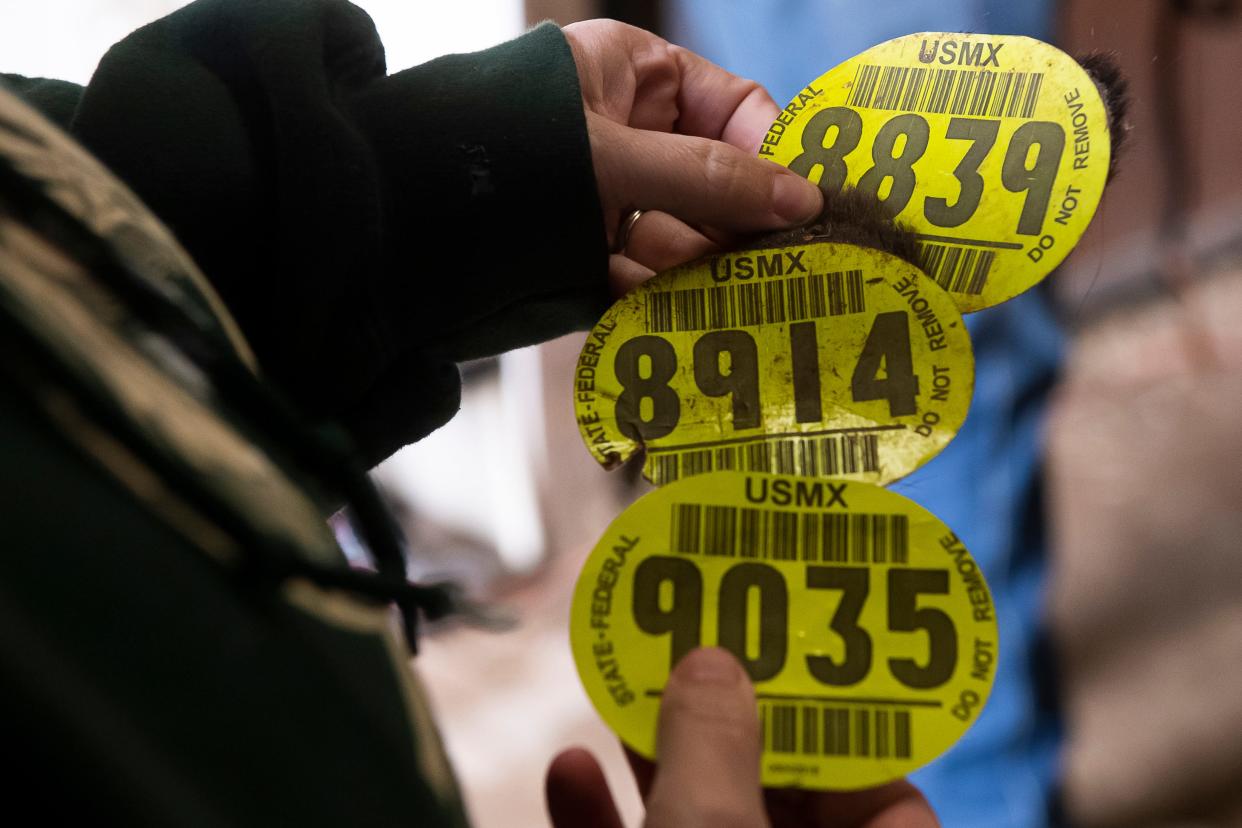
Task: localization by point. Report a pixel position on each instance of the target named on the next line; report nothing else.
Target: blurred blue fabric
(987, 484)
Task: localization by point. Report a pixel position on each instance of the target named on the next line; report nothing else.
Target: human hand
(675, 135)
(708, 769)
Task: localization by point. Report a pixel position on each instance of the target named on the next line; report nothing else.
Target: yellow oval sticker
(994, 149)
(817, 359)
(866, 626)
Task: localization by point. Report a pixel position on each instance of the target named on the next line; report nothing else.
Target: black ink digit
(887, 348)
(982, 135)
(830, 157)
(854, 585)
(665, 404)
(682, 619)
(773, 618)
(742, 379)
(1037, 179)
(804, 351)
(904, 588)
(899, 168)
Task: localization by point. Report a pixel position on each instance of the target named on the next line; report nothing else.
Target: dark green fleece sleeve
(367, 230)
(56, 99)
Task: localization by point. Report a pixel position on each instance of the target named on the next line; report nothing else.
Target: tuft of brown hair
(1114, 90)
(849, 217)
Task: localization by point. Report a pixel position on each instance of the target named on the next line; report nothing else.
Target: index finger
(714, 103)
(708, 747)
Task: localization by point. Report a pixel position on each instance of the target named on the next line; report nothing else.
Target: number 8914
(648, 408)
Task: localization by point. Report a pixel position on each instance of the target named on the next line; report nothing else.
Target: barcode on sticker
(953, 91)
(815, 296)
(774, 534)
(806, 456)
(826, 730)
(957, 269)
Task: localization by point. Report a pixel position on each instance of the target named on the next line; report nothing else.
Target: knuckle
(655, 61)
(676, 56)
(726, 169)
(615, 32)
(602, 26)
(750, 87)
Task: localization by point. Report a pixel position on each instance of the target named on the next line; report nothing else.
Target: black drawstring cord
(431, 601)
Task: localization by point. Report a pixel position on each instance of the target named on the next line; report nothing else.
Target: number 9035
(680, 617)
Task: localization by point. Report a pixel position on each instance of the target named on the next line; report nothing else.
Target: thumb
(707, 747)
(698, 180)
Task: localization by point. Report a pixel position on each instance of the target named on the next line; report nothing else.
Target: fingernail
(795, 199)
(711, 665)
